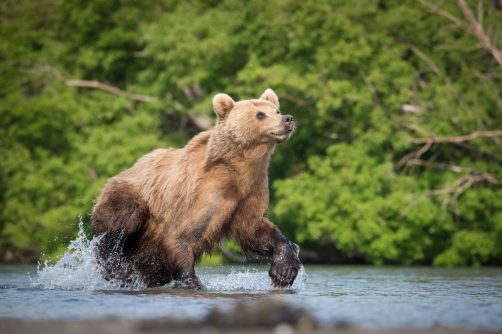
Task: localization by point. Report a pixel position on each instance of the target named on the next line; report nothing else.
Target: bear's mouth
(285, 132)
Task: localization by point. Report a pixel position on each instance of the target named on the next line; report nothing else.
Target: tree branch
(426, 59)
(457, 188)
(414, 127)
(439, 165)
(231, 255)
(110, 89)
(415, 154)
(474, 27)
(477, 31)
(477, 175)
(201, 121)
(463, 145)
(298, 102)
(371, 88)
(435, 9)
(458, 139)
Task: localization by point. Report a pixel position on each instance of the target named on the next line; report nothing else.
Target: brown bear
(158, 217)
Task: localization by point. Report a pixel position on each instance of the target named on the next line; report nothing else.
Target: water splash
(78, 270)
(249, 280)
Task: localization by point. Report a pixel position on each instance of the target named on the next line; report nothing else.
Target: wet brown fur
(158, 217)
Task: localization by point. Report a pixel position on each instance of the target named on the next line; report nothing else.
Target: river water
(409, 297)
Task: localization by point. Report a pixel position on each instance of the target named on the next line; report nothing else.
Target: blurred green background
(397, 158)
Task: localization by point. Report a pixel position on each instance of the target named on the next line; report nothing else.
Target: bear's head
(253, 122)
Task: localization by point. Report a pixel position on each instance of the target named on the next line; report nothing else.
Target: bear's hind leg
(119, 210)
(113, 264)
(119, 217)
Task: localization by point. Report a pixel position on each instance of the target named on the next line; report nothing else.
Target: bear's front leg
(285, 262)
(266, 240)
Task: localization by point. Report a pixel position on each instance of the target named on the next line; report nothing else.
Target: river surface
(366, 296)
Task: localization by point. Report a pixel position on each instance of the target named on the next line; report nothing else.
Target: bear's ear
(269, 95)
(222, 104)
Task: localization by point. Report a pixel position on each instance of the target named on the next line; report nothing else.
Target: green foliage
(211, 260)
(354, 199)
(351, 174)
(468, 247)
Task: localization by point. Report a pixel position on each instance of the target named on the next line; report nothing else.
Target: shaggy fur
(157, 218)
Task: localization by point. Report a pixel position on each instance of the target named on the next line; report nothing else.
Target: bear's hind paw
(192, 283)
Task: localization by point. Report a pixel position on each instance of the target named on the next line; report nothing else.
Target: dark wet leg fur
(119, 218)
(187, 280)
(112, 262)
(120, 262)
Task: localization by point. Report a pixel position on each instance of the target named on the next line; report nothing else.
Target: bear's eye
(260, 115)
(278, 111)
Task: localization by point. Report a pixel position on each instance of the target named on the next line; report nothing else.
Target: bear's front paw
(285, 266)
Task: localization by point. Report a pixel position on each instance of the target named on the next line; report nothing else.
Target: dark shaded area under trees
(397, 157)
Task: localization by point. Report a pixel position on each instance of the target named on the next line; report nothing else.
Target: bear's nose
(288, 119)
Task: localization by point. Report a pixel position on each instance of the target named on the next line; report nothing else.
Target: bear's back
(165, 176)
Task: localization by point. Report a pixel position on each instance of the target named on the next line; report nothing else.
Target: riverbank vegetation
(397, 157)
